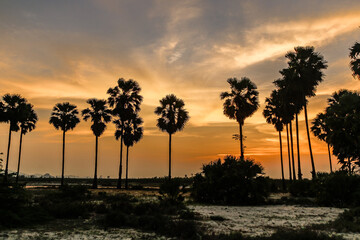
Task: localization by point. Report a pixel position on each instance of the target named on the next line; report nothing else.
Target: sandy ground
(253, 221)
(264, 220)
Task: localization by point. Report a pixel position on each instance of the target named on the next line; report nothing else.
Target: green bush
(302, 188)
(234, 181)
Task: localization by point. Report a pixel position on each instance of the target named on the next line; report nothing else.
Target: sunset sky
(56, 51)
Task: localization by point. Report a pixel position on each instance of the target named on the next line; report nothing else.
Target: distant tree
(64, 117)
(342, 121)
(12, 105)
(240, 103)
(306, 69)
(321, 131)
(99, 115)
(173, 118)
(273, 113)
(133, 132)
(27, 124)
(125, 100)
(355, 60)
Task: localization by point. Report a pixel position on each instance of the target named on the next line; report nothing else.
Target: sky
(70, 51)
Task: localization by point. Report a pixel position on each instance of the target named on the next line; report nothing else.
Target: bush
(338, 189)
(171, 191)
(348, 221)
(302, 188)
(234, 181)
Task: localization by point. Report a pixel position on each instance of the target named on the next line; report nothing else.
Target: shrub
(302, 188)
(338, 189)
(348, 221)
(171, 191)
(234, 181)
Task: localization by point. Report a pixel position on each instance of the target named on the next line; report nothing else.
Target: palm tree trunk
(282, 164)
(313, 173)
(7, 157)
(288, 145)
(120, 167)
(292, 152)
(298, 147)
(63, 160)
(169, 156)
(127, 167)
(95, 185)
(18, 168)
(330, 158)
(241, 142)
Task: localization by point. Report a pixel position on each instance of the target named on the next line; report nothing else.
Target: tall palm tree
(273, 113)
(321, 131)
(289, 110)
(64, 117)
(240, 103)
(355, 60)
(307, 68)
(125, 100)
(100, 115)
(12, 114)
(173, 118)
(133, 132)
(27, 124)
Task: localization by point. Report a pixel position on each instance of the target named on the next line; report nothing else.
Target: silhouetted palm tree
(273, 113)
(99, 115)
(133, 132)
(294, 99)
(125, 101)
(240, 103)
(64, 116)
(321, 131)
(306, 66)
(355, 60)
(27, 124)
(289, 110)
(12, 114)
(173, 118)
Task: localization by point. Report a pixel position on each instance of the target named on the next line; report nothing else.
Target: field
(213, 219)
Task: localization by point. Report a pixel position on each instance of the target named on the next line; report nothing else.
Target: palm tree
(100, 115)
(273, 113)
(289, 110)
(27, 124)
(173, 118)
(321, 131)
(125, 101)
(12, 114)
(64, 117)
(133, 132)
(240, 103)
(355, 60)
(306, 67)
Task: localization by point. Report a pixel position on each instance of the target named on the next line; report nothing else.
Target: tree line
(121, 108)
(339, 126)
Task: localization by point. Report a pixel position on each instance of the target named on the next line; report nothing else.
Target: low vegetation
(234, 181)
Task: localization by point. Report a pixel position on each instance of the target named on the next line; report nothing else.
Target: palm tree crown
(124, 98)
(133, 131)
(28, 120)
(99, 114)
(242, 101)
(13, 110)
(64, 116)
(273, 111)
(173, 116)
(355, 60)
